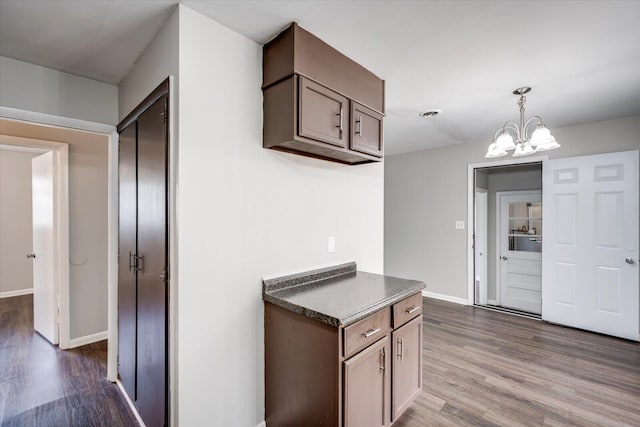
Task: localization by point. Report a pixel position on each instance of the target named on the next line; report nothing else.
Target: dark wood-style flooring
(40, 385)
(483, 368)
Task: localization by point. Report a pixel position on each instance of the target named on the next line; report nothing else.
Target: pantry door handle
(370, 332)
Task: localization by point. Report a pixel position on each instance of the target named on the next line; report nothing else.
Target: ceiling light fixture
(430, 113)
(541, 139)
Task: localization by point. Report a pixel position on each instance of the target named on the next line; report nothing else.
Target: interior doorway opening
(507, 238)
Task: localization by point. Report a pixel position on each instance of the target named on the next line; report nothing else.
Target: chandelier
(541, 139)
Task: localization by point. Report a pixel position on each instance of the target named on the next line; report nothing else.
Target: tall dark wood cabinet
(143, 257)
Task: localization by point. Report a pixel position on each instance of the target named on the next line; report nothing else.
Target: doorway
(507, 241)
(82, 238)
(519, 244)
(43, 181)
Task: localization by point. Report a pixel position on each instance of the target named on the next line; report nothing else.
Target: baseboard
(492, 302)
(130, 403)
(9, 294)
(444, 297)
(88, 339)
(262, 424)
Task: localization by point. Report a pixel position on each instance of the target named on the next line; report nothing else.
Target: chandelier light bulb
(548, 146)
(540, 136)
(505, 141)
(494, 152)
(523, 150)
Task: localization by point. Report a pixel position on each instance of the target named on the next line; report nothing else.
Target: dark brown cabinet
(312, 97)
(366, 387)
(362, 375)
(406, 366)
(143, 256)
(366, 130)
(322, 114)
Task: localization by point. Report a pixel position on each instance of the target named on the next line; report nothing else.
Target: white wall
(245, 212)
(33, 88)
(88, 166)
(16, 231)
(426, 191)
(158, 61)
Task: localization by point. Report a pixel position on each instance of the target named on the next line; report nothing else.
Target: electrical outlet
(459, 225)
(331, 244)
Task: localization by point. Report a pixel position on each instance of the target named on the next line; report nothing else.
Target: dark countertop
(338, 296)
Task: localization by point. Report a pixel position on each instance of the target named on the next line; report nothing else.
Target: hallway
(40, 385)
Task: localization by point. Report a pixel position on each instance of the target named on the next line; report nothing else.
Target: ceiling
(582, 58)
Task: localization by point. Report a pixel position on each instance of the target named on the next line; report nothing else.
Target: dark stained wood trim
(158, 92)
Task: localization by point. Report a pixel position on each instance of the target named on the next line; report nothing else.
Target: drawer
(365, 332)
(407, 309)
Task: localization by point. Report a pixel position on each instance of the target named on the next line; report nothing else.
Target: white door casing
(590, 253)
(45, 286)
(519, 268)
(480, 246)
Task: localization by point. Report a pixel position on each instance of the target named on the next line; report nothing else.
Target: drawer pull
(370, 332)
(412, 309)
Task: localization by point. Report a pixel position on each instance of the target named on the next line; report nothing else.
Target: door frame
(471, 167)
(498, 236)
(60, 151)
(43, 119)
(483, 299)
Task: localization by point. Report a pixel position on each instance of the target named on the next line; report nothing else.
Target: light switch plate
(459, 225)
(331, 244)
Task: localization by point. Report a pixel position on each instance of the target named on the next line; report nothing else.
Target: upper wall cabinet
(318, 102)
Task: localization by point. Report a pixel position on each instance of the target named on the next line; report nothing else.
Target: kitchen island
(342, 347)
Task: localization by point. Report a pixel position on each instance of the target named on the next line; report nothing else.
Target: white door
(480, 247)
(45, 296)
(520, 246)
(590, 254)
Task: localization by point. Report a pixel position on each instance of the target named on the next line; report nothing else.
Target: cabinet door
(406, 366)
(366, 387)
(127, 292)
(152, 252)
(322, 114)
(366, 130)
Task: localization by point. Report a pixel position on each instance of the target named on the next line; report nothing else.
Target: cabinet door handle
(130, 260)
(341, 114)
(412, 309)
(370, 332)
(383, 356)
(400, 348)
(359, 121)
